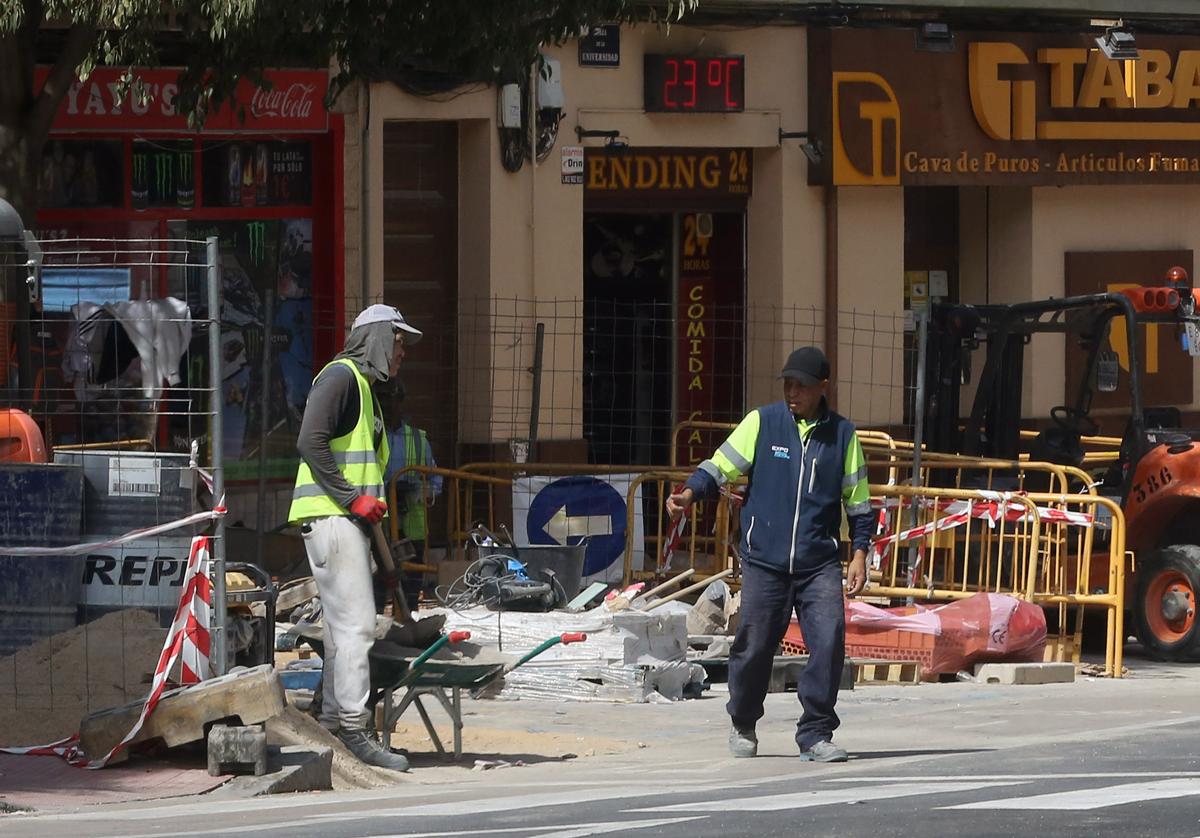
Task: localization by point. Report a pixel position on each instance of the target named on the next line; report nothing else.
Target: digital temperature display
(679, 84)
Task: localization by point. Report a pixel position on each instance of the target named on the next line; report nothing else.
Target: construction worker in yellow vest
(415, 492)
(339, 486)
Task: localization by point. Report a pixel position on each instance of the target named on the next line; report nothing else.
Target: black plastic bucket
(566, 561)
(40, 506)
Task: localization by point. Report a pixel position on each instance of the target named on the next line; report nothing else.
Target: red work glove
(368, 509)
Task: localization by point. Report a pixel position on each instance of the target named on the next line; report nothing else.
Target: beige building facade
(904, 192)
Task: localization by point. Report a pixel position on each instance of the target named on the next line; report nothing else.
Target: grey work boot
(363, 745)
(743, 742)
(824, 752)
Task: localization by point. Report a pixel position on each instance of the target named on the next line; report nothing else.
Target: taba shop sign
(1004, 109)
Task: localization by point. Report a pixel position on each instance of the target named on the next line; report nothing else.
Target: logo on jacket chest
(781, 451)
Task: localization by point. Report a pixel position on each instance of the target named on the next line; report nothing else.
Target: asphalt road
(1144, 782)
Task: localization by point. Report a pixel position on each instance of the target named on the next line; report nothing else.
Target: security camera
(814, 152)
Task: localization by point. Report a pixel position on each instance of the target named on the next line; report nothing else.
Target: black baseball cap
(808, 365)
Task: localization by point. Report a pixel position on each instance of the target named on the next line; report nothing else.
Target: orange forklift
(1155, 477)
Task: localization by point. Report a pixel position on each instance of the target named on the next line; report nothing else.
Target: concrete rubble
(629, 656)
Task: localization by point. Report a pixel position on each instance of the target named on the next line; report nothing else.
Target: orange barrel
(21, 439)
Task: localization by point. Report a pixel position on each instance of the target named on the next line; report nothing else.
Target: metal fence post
(535, 401)
(215, 447)
(918, 435)
(263, 425)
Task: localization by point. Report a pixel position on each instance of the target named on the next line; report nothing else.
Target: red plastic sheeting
(984, 628)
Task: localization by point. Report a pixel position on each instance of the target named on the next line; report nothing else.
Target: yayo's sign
(571, 510)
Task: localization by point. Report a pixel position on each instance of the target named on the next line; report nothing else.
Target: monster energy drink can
(164, 178)
(233, 180)
(140, 190)
(256, 242)
(185, 181)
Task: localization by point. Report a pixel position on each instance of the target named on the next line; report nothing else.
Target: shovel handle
(456, 637)
(572, 637)
(383, 555)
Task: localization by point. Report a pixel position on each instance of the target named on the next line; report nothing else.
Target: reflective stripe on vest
(360, 463)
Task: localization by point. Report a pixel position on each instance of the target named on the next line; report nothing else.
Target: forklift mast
(993, 426)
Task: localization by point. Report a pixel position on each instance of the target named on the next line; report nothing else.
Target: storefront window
(164, 174)
(256, 257)
(260, 174)
(82, 173)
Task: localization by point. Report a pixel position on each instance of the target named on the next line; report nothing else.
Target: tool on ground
(642, 598)
(499, 579)
(383, 557)
(689, 589)
(590, 593)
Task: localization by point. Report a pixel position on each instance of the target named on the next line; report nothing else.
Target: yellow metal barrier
(703, 550)
(1063, 478)
(1040, 555)
(969, 543)
(694, 426)
(972, 557)
(1073, 568)
(720, 555)
(460, 488)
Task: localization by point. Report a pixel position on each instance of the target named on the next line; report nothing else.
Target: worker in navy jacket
(804, 463)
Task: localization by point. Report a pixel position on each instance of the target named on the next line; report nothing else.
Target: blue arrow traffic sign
(574, 508)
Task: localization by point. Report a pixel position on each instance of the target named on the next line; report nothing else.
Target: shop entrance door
(663, 330)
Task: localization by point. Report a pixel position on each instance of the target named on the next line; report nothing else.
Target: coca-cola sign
(290, 100)
(293, 102)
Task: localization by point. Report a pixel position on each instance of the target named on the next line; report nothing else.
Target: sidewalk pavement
(516, 741)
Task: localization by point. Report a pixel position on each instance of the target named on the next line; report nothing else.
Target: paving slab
(292, 768)
(47, 782)
(1025, 673)
(182, 715)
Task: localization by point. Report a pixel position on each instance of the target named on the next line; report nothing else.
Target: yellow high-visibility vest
(359, 461)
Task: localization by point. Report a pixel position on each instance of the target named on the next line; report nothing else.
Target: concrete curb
(293, 768)
(1025, 673)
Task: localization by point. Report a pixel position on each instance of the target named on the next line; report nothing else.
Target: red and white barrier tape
(989, 509)
(674, 536)
(188, 641)
(949, 522)
(958, 512)
(132, 535)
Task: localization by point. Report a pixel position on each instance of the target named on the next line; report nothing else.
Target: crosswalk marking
(481, 806)
(825, 797)
(1094, 798)
(1091, 775)
(569, 832)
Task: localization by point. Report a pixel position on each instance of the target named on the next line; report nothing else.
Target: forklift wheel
(1167, 586)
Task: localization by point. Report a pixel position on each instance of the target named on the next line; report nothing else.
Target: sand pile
(46, 688)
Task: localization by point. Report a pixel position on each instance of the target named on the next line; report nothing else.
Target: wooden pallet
(886, 672)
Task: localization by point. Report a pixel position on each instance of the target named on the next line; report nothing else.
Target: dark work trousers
(768, 598)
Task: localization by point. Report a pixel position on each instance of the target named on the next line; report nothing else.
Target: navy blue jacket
(792, 514)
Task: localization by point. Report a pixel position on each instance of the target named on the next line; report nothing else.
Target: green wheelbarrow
(436, 674)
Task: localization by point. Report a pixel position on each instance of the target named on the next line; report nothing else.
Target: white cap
(380, 313)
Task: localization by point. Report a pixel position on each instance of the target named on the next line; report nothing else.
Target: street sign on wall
(570, 510)
(601, 46)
